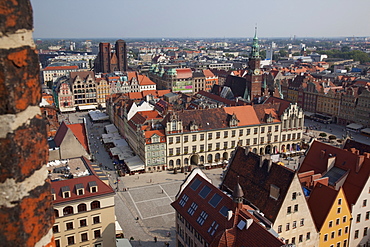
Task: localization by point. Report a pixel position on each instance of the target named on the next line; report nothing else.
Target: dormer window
(80, 189)
(193, 126)
(93, 187)
(269, 118)
(53, 194)
(66, 192)
(174, 125)
(233, 121)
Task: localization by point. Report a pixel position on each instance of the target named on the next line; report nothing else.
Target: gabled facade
(349, 169)
(276, 192)
(84, 88)
(83, 206)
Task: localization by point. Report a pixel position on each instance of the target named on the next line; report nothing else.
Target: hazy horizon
(144, 19)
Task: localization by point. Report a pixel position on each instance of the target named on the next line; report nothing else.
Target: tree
(323, 134)
(332, 137)
(283, 53)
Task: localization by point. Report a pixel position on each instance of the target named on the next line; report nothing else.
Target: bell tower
(254, 77)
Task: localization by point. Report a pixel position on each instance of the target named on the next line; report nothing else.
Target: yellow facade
(335, 229)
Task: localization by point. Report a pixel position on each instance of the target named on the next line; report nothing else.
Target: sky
(200, 18)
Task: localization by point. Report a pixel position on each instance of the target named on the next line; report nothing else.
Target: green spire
(255, 47)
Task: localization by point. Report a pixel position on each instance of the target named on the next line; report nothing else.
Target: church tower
(254, 77)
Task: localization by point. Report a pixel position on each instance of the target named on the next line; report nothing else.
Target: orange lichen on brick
(9, 229)
(19, 58)
(11, 21)
(30, 217)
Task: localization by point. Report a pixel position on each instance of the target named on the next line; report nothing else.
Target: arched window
(81, 207)
(56, 213)
(171, 163)
(95, 204)
(68, 210)
(209, 158)
(178, 162)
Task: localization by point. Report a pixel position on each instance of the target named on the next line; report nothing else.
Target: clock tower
(254, 76)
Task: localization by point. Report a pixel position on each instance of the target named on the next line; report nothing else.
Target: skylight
(183, 200)
(224, 211)
(215, 200)
(192, 208)
(205, 191)
(212, 229)
(195, 184)
(202, 217)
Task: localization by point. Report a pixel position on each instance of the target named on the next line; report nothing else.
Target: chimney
(359, 162)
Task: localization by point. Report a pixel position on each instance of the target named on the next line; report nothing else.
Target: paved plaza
(142, 202)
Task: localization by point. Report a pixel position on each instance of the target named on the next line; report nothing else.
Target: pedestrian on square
(155, 239)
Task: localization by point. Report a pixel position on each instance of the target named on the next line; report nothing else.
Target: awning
(86, 107)
(135, 164)
(309, 114)
(354, 126)
(69, 109)
(366, 131)
(110, 128)
(98, 115)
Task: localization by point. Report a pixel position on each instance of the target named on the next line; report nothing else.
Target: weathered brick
(27, 222)
(19, 80)
(23, 151)
(14, 15)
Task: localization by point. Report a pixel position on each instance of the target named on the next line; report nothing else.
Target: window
(340, 232)
(233, 133)
(296, 208)
(269, 128)
(81, 207)
(337, 221)
(186, 138)
(205, 191)
(67, 210)
(226, 133)
(83, 223)
(294, 226)
(209, 146)
(209, 136)
(339, 210)
(96, 219)
(308, 236)
(364, 203)
(201, 147)
(225, 145)
(224, 211)
(240, 132)
(71, 240)
(55, 228)
(217, 145)
(344, 219)
(194, 138)
(177, 139)
(293, 240)
(248, 131)
(215, 200)
(276, 127)
(302, 222)
(255, 130)
(280, 228)
(177, 151)
(356, 234)
(365, 231)
(170, 151)
(212, 229)
(331, 223)
(192, 208)
(84, 237)
(57, 243)
(325, 237)
(346, 230)
(332, 234)
(367, 216)
(194, 148)
(294, 195)
(202, 218)
(186, 150)
(218, 134)
(289, 210)
(358, 218)
(69, 225)
(97, 234)
(287, 227)
(254, 141)
(262, 139)
(345, 243)
(95, 204)
(56, 213)
(194, 186)
(339, 201)
(201, 137)
(170, 140)
(262, 129)
(300, 240)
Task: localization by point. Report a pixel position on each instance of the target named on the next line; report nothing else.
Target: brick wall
(26, 213)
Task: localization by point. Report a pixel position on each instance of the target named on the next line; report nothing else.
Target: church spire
(255, 47)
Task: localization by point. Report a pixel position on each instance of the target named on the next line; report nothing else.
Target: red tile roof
(245, 114)
(357, 166)
(78, 130)
(103, 188)
(184, 73)
(227, 233)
